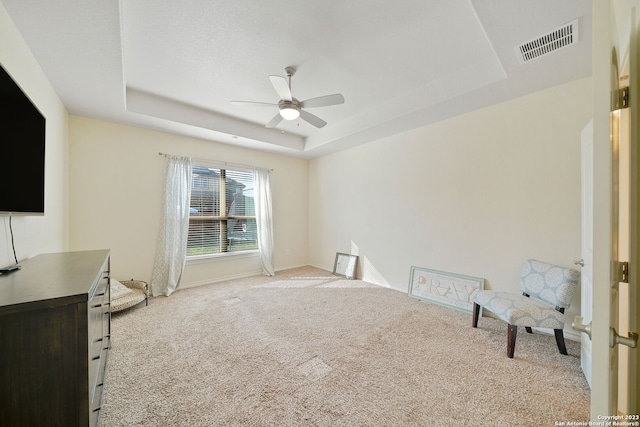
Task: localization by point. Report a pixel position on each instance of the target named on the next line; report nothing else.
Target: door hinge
(621, 271)
(620, 99)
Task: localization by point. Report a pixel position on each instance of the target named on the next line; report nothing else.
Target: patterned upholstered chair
(547, 290)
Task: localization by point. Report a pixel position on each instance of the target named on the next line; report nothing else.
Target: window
(222, 215)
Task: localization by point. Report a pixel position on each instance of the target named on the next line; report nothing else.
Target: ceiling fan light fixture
(289, 108)
(289, 112)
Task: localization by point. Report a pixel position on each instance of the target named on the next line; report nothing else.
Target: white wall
(48, 233)
(116, 188)
(473, 195)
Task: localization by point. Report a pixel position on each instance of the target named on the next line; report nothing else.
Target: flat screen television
(22, 151)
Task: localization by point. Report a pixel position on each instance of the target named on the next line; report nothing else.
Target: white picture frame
(345, 265)
(443, 288)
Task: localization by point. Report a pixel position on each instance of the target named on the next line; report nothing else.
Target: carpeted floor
(305, 348)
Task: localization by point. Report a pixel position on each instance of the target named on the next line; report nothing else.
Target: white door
(586, 272)
(611, 26)
(624, 142)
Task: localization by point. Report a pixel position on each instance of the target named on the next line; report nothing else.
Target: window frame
(223, 168)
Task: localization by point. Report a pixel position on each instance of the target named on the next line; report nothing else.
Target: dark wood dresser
(55, 326)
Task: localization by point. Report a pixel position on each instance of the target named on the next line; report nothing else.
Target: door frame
(603, 394)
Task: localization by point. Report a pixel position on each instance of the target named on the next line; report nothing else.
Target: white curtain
(171, 251)
(264, 221)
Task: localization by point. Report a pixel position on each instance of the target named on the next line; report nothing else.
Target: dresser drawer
(95, 407)
(94, 321)
(94, 418)
(99, 298)
(98, 306)
(96, 378)
(97, 397)
(106, 330)
(98, 367)
(95, 348)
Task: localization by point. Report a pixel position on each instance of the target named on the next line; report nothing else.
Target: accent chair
(547, 290)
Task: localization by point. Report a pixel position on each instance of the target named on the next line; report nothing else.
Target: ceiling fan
(289, 107)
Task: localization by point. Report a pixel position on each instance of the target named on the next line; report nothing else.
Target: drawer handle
(97, 409)
(98, 340)
(96, 306)
(101, 294)
(95, 358)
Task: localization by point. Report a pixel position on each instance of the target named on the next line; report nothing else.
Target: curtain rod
(160, 153)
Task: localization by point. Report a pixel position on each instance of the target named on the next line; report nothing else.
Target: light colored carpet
(305, 348)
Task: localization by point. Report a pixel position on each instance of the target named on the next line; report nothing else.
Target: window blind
(222, 211)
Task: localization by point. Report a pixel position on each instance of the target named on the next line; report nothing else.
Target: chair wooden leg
(528, 329)
(476, 314)
(560, 341)
(511, 340)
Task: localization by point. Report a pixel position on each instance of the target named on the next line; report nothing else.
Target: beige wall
(49, 233)
(117, 181)
(473, 195)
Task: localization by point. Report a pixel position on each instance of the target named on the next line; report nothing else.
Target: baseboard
(292, 266)
(317, 266)
(219, 279)
(232, 277)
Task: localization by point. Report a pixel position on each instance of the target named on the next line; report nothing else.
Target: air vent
(557, 39)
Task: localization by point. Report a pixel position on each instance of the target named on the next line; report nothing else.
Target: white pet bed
(128, 293)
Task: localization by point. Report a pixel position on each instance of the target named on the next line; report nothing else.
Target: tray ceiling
(176, 66)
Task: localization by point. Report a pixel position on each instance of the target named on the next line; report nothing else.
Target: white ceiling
(176, 66)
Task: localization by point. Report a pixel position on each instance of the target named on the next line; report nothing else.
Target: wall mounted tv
(22, 151)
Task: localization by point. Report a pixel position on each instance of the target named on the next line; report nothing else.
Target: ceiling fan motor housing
(290, 71)
(289, 110)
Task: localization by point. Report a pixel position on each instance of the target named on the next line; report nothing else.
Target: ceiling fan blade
(259, 104)
(323, 101)
(274, 122)
(314, 120)
(281, 86)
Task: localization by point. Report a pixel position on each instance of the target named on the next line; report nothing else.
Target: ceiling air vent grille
(557, 39)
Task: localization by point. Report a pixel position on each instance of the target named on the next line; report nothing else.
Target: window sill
(198, 259)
